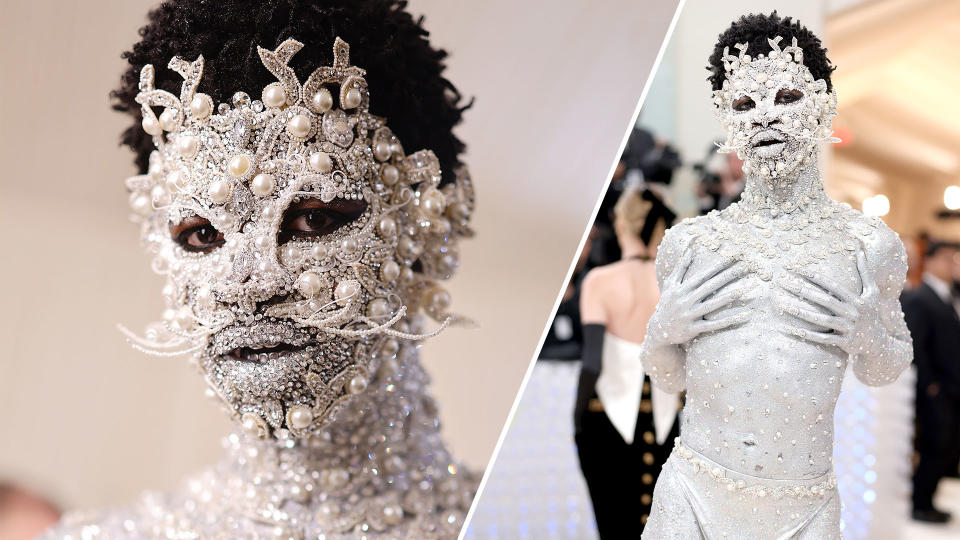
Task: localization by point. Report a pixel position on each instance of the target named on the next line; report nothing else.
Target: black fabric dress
(620, 476)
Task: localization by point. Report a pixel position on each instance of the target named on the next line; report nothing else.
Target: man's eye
(788, 96)
(744, 104)
(197, 234)
(313, 218)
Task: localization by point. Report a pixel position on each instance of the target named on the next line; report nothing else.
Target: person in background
(647, 161)
(934, 323)
(24, 515)
(953, 466)
(914, 249)
(624, 429)
(721, 180)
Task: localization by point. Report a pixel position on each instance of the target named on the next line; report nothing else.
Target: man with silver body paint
(763, 306)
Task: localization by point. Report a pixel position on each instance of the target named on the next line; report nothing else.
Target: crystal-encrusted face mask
(773, 110)
(298, 238)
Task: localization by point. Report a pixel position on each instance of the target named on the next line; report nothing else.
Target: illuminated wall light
(879, 205)
(951, 197)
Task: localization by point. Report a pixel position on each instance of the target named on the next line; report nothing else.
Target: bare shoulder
(607, 277)
(884, 251)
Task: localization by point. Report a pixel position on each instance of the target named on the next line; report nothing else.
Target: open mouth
(262, 354)
(768, 142)
(260, 342)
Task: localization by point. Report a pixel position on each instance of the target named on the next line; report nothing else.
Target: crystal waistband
(734, 481)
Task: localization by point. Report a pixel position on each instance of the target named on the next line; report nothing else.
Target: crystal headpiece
(317, 137)
(765, 74)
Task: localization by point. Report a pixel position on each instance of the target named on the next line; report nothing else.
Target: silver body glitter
(763, 306)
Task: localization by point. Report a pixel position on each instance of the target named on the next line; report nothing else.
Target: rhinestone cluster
(800, 490)
(378, 471)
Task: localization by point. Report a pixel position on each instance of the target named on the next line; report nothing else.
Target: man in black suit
(934, 323)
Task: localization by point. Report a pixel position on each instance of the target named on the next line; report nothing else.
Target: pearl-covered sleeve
(887, 262)
(664, 362)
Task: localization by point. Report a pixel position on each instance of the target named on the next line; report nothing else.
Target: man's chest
(786, 248)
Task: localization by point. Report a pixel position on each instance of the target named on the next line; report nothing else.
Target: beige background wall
(92, 422)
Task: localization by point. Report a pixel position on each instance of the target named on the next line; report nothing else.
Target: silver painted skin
(763, 306)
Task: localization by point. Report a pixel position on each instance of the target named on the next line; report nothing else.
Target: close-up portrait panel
(277, 269)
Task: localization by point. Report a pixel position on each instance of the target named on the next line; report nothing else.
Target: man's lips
(262, 354)
(261, 338)
(767, 137)
(768, 142)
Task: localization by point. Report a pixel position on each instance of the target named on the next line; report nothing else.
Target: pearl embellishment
(357, 384)
(150, 125)
(220, 191)
(205, 297)
(168, 120)
(188, 146)
(390, 175)
(378, 308)
(239, 165)
(438, 300)
(253, 425)
(351, 99)
(300, 417)
(390, 271)
(160, 196)
(392, 514)
(390, 347)
(322, 101)
(309, 284)
(432, 202)
(346, 290)
(176, 181)
(387, 226)
(274, 95)
(321, 162)
(141, 205)
(335, 478)
(263, 185)
(407, 248)
(349, 245)
(299, 126)
(381, 151)
(201, 106)
(291, 254)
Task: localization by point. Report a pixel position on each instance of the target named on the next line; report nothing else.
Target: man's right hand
(680, 313)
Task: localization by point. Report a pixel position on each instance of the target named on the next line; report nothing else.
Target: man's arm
(663, 361)
(887, 353)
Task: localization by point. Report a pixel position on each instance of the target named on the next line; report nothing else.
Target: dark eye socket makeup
(744, 103)
(307, 218)
(196, 234)
(785, 96)
(313, 218)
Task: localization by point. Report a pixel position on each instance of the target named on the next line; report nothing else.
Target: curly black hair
(404, 73)
(755, 29)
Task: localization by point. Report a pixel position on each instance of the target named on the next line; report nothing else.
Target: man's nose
(766, 121)
(256, 269)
